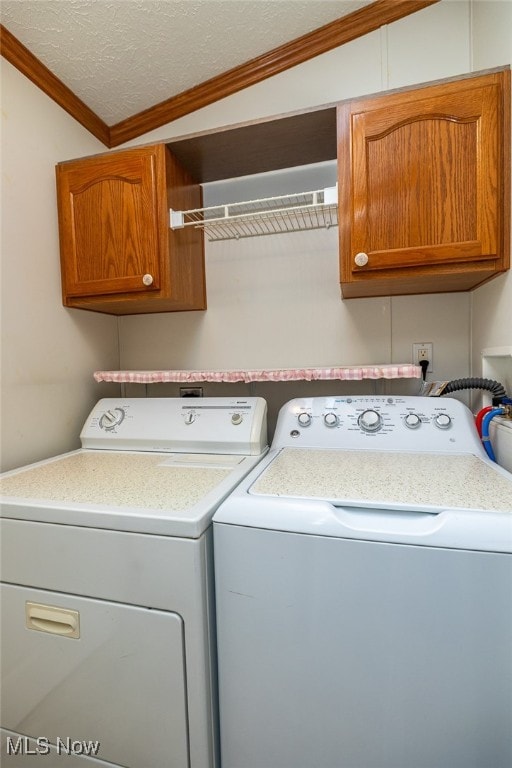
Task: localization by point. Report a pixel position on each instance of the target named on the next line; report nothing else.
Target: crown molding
(298, 51)
(30, 66)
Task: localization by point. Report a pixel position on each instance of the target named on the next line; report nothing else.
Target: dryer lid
(144, 492)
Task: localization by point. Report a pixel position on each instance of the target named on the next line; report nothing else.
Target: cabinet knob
(147, 280)
(361, 259)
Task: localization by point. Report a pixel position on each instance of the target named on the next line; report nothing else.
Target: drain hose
(497, 390)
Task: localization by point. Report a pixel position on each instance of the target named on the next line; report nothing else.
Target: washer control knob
(443, 421)
(237, 418)
(412, 420)
(190, 417)
(304, 419)
(112, 418)
(330, 419)
(370, 421)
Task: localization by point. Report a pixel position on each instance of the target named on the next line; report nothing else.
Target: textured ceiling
(121, 57)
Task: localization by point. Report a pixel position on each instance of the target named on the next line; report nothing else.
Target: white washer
(364, 593)
(107, 585)
(500, 431)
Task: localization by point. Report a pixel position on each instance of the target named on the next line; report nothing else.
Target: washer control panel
(173, 424)
(379, 422)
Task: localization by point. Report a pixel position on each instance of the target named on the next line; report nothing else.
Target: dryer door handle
(52, 619)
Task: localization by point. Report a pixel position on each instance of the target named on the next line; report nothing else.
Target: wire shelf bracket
(266, 216)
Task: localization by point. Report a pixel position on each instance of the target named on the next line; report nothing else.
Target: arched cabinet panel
(424, 179)
(118, 254)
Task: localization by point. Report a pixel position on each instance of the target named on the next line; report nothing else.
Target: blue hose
(486, 440)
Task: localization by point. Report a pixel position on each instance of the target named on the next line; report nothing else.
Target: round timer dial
(370, 421)
(112, 418)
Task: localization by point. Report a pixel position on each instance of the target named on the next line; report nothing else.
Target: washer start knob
(304, 419)
(412, 420)
(370, 421)
(443, 421)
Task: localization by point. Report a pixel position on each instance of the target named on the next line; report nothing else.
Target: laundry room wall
(275, 300)
(491, 305)
(48, 352)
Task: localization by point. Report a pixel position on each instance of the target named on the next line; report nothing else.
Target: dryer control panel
(219, 425)
(379, 422)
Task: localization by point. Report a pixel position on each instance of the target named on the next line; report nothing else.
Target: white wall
(492, 303)
(275, 300)
(48, 353)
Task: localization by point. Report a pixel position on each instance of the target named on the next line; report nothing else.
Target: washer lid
(423, 482)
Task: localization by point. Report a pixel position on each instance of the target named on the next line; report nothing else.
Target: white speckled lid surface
(149, 492)
(117, 479)
(387, 478)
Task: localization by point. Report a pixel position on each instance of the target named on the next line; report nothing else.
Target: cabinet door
(110, 222)
(423, 192)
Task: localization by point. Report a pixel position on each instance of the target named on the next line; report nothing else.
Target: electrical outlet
(423, 350)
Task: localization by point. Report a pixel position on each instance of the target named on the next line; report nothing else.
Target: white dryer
(107, 585)
(364, 593)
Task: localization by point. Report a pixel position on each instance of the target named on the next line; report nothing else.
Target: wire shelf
(266, 216)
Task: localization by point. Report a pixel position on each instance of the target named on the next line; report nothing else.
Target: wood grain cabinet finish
(424, 188)
(118, 254)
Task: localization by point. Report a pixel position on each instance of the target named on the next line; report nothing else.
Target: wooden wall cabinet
(118, 254)
(424, 197)
(424, 188)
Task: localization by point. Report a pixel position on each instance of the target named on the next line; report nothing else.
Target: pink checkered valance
(346, 373)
